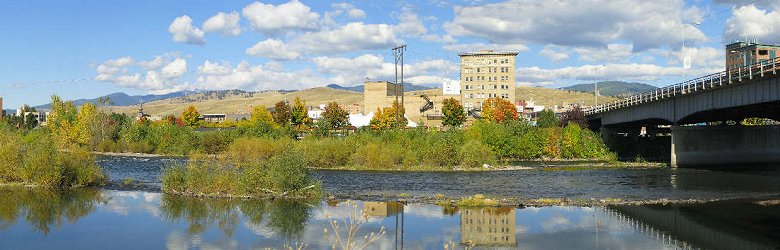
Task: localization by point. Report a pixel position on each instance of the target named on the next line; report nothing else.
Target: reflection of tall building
(488, 227)
(382, 209)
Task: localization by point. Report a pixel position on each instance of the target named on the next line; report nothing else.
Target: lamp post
(691, 23)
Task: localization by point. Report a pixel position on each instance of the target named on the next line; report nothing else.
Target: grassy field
(242, 103)
(238, 103)
(548, 97)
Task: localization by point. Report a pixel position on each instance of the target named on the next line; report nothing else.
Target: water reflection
(44, 209)
(488, 227)
(714, 225)
(285, 218)
(93, 219)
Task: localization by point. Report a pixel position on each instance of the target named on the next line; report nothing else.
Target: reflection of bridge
(744, 92)
(690, 225)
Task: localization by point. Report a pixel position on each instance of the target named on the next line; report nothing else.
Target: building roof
(743, 44)
(489, 52)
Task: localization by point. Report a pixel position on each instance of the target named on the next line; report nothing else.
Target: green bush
(474, 153)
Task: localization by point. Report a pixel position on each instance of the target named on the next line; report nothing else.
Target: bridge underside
(702, 145)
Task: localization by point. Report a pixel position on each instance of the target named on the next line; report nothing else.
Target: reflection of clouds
(260, 229)
(426, 211)
(125, 202)
(554, 223)
(178, 240)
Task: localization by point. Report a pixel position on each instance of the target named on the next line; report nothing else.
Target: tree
(282, 113)
(86, 121)
(61, 121)
(547, 119)
(300, 117)
(30, 121)
(335, 116)
(190, 116)
(386, 118)
(499, 110)
(261, 115)
(454, 115)
(574, 115)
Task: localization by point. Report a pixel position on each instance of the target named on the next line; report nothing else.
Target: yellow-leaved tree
(86, 122)
(190, 116)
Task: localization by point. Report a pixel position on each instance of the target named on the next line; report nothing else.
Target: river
(746, 215)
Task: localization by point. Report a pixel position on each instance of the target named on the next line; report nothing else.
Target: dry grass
(236, 104)
(548, 97)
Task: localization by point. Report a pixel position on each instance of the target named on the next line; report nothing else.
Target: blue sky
(85, 49)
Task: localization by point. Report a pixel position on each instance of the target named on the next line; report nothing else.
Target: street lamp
(692, 24)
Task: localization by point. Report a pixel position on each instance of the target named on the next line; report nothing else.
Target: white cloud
(356, 13)
(409, 24)
(257, 77)
(183, 32)
(223, 23)
(625, 72)
(574, 23)
(771, 4)
(750, 22)
(270, 19)
(273, 49)
(554, 53)
(351, 71)
(349, 9)
(214, 68)
(702, 57)
(156, 62)
(123, 72)
(614, 52)
(467, 47)
(354, 36)
(175, 69)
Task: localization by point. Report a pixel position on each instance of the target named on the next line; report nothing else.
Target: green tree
(86, 121)
(282, 113)
(547, 119)
(30, 121)
(190, 116)
(499, 110)
(62, 121)
(335, 116)
(454, 115)
(300, 117)
(261, 115)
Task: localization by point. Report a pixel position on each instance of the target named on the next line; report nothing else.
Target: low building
(739, 54)
(214, 118)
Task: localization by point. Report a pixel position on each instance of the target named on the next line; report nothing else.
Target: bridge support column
(737, 146)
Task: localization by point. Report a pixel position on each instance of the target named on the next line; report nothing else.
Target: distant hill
(122, 99)
(359, 88)
(613, 88)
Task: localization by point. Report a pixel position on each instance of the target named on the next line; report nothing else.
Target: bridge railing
(705, 83)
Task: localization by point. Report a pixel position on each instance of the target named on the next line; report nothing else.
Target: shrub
(248, 149)
(373, 155)
(474, 154)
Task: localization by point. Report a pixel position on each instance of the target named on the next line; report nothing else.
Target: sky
(89, 48)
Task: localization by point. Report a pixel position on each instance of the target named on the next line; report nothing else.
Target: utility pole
(398, 54)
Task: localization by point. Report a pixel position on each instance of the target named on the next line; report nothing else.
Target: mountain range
(359, 88)
(613, 88)
(122, 99)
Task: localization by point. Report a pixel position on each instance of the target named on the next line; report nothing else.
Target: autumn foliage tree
(299, 117)
(336, 116)
(87, 122)
(386, 117)
(282, 113)
(453, 112)
(261, 115)
(499, 110)
(190, 116)
(62, 121)
(574, 115)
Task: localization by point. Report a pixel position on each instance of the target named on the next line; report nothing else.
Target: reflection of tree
(44, 208)
(287, 218)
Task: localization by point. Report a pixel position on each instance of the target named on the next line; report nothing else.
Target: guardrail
(704, 83)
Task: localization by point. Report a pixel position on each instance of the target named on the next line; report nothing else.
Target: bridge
(681, 109)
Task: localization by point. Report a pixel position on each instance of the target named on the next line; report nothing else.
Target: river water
(139, 217)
